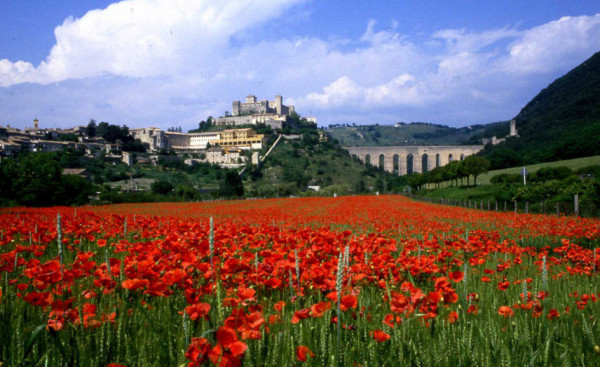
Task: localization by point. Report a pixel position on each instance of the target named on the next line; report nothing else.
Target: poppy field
(346, 281)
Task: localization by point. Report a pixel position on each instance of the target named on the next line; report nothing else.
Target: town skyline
(168, 64)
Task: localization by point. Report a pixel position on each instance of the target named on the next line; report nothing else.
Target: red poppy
(552, 314)
(133, 284)
(456, 276)
(198, 311)
(505, 311)
(226, 336)
(348, 302)
(473, 309)
(452, 317)
(302, 352)
(55, 324)
(318, 309)
(503, 285)
(380, 336)
(279, 306)
(198, 350)
(238, 348)
(300, 315)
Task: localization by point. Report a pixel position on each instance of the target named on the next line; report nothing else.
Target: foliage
(415, 284)
(453, 171)
(549, 185)
(161, 187)
(561, 122)
(114, 133)
(36, 179)
(410, 134)
(231, 185)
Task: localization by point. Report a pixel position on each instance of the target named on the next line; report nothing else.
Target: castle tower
(278, 104)
(250, 98)
(235, 109)
(513, 128)
(36, 124)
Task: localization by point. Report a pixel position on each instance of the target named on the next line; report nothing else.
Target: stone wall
(403, 160)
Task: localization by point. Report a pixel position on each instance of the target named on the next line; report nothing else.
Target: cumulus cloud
(141, 38)
(554, 44)
(173, 62)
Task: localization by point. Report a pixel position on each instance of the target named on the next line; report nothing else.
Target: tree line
(454, 172)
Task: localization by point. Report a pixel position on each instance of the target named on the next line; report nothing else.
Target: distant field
(573, 164)
(134, 184)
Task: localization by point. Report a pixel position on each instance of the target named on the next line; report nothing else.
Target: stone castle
(252, 112)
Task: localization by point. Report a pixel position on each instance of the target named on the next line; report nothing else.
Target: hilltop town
(226, 142)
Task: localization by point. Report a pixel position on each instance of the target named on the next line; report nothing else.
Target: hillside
(561, 122)
(414, 133)
(296, 164)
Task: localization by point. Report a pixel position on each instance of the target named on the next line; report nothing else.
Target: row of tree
(454, 172)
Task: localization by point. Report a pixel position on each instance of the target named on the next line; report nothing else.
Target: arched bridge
(402, 160)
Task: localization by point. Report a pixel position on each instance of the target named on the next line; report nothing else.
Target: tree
(90, 130)
(161, 187)
(474, 165)
(38, 180)
(76, 190)
(231, 185)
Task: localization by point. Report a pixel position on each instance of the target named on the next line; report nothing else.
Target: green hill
(561, 122)
(414, 133)
(294, 165)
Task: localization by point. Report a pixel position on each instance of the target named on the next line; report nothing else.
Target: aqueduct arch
(402, 160)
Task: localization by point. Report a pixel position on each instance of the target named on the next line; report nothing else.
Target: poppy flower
(238, 348)
(302, 352)
(318, 309)
(503, 285)
(198, 311)
(452, 317)
(198, 350)
(300, 315)
(279, 306)
(473, 309)
(348, 302)
(226, 336)
(133, 284)
(456, 276)
(380, 336)
(505, 311)
(552, 314)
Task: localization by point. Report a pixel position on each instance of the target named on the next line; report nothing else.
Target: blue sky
(174, 62)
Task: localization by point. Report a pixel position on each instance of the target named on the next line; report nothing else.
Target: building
(191, 142)
(495, 141)
(241, 138)
(252, 107)
(252, 112)
(127, 158)
(152, 137)
(225, 156)
(182, 143)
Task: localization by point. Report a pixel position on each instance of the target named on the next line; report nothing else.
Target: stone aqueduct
(402, 160)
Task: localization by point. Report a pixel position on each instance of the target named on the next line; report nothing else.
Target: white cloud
(554, 45)
(141, 38)
(173, 62)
